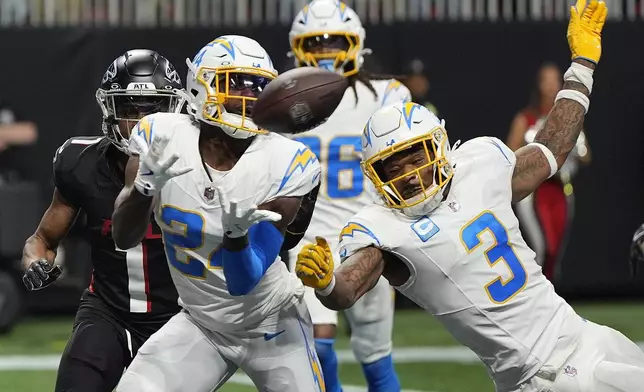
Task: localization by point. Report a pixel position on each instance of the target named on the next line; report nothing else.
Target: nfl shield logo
(209, 193)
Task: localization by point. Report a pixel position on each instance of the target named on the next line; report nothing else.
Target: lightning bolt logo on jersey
(352, 227)
(302, 158)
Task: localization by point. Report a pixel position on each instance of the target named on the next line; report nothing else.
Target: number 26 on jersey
(344, 178)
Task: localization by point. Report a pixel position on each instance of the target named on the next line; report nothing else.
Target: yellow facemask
(345, 58)
(220, 100)
(434, 145)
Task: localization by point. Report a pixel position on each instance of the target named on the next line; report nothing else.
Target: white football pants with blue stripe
(603, 360)
(182, 356)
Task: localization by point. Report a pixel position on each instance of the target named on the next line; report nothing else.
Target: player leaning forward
(446, 236)
(242, 307)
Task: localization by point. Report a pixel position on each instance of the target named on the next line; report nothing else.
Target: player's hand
(154, 172)
(637, 250)
(585, 30)
(314, 264)
(40, 274)
(236, 221)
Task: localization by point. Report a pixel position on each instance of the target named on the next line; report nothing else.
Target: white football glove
(237, 221)
(153, 172)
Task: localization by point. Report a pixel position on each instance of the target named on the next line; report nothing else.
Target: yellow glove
(585, 30)
(314, 264)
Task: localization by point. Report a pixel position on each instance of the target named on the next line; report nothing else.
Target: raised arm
(146, 174)
(132, 210)
(541, 159)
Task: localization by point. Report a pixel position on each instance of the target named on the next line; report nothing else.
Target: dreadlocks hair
(366, 77)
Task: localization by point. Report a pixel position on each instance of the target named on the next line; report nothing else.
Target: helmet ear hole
(194, 93)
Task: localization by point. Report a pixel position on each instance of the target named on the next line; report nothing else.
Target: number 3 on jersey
(344, 176)
(498, 290)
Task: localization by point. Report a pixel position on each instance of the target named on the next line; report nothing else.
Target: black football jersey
(137, 280)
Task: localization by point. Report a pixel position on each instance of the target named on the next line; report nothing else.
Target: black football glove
(40, 274)
(637, 250)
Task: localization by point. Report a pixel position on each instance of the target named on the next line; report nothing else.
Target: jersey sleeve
(152, 129)
(493, 157)
(357, 233)
(395, 92)
(66, 166)
(296, 170)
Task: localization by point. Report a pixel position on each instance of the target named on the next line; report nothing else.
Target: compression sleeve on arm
(243, 269)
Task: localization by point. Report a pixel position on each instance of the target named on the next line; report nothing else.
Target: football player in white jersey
(329, 35)
(444, 234)
(204, 175)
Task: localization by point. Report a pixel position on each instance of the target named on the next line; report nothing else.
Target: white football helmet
(224, 80)
(328, 34)
(396, 128)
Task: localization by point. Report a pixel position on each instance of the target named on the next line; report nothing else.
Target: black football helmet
(637, 250)
(137, 83)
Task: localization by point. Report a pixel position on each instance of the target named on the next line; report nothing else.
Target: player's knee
(368, 350)
(324, 331)
(381, 375)
(329, 363)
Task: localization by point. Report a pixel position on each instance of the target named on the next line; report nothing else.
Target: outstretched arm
(358, 274)
(354, 278)
(540, 160)
(132, 210)
(252, 239)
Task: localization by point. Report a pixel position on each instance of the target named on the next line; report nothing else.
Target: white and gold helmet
(397, 131)
(328, 34)
(224, 80)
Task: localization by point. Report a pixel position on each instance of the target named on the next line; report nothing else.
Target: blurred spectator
(418, 83)
(14, 132)
(13, 12)
(546, 215)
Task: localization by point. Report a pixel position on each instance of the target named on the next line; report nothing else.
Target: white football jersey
(189, 213)
(470, 266)
(344, 189)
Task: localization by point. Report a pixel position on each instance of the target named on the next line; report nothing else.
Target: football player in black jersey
(131, 294)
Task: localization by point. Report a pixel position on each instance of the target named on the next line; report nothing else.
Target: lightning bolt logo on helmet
(302, 158)
(408, 111)
(223, 41)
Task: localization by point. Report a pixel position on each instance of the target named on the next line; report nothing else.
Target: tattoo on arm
(559, 133)
(355, 277)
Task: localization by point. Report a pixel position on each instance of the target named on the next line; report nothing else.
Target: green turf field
(414, 330)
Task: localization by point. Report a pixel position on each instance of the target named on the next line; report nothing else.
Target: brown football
(299, 100)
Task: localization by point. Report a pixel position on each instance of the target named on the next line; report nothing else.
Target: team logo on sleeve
(352, 227)
(302, 158)
(144, 129)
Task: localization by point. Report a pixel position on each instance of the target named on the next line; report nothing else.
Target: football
(299, 100)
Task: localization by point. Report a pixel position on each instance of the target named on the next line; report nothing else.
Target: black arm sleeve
(295, 231)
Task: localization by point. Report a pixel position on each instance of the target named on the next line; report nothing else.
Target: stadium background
(481, 56)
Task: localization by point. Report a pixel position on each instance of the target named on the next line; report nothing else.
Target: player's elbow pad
(245, 268)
